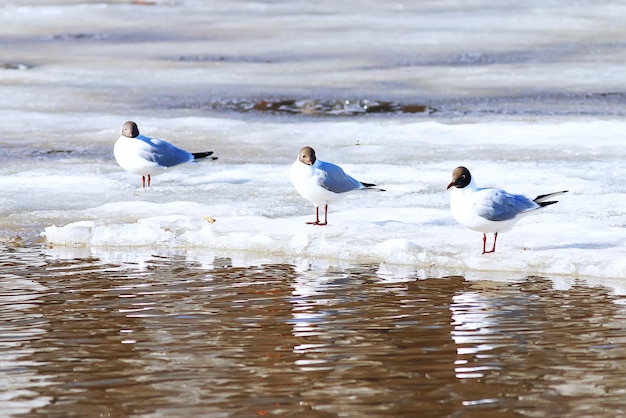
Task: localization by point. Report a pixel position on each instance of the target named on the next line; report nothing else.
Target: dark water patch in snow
(315, 107)
(539, 104)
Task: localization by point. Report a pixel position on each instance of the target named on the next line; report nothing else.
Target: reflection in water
(369, 344)
(541, 351)
(20, 322)
(170, 336)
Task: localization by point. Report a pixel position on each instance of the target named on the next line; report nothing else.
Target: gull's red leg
(493, 249)
(317, 217)
(495, 237)
(325, 216)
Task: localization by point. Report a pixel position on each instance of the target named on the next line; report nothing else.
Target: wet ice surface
(527, 96)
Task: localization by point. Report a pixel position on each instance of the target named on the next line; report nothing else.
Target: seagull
(490, 210)
(146, 156)
(321, 182)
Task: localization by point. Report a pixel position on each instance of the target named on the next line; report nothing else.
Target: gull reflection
(477, 332)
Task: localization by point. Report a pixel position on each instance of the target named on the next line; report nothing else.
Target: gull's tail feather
(541, 199)
(198, 155)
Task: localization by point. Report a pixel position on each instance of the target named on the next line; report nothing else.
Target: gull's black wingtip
(543, 197)
(371, 186)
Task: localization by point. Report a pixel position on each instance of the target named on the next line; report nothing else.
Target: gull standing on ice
(321, 182)
(490, 210)
(146, 156)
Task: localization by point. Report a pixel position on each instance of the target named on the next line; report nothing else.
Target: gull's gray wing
(498, 205)
(333, 178)
(163, 153)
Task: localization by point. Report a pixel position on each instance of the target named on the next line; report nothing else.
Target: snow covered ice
(256, 208)
(527, 96)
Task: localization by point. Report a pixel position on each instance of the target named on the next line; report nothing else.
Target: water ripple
(166, 337)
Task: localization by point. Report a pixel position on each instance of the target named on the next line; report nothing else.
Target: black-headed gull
(322, 183)
(489, 210)
(146, 156)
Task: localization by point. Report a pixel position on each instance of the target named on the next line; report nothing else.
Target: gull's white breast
(307, 179)
(136, 156)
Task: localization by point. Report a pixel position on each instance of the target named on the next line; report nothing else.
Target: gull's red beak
(450, 185)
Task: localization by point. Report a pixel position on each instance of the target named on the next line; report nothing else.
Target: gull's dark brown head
(307, 155)
(130, 130)
(461, 177)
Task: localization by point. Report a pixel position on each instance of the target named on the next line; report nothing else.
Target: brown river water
(172, 337)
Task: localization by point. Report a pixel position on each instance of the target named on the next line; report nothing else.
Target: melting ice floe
(256, 209)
